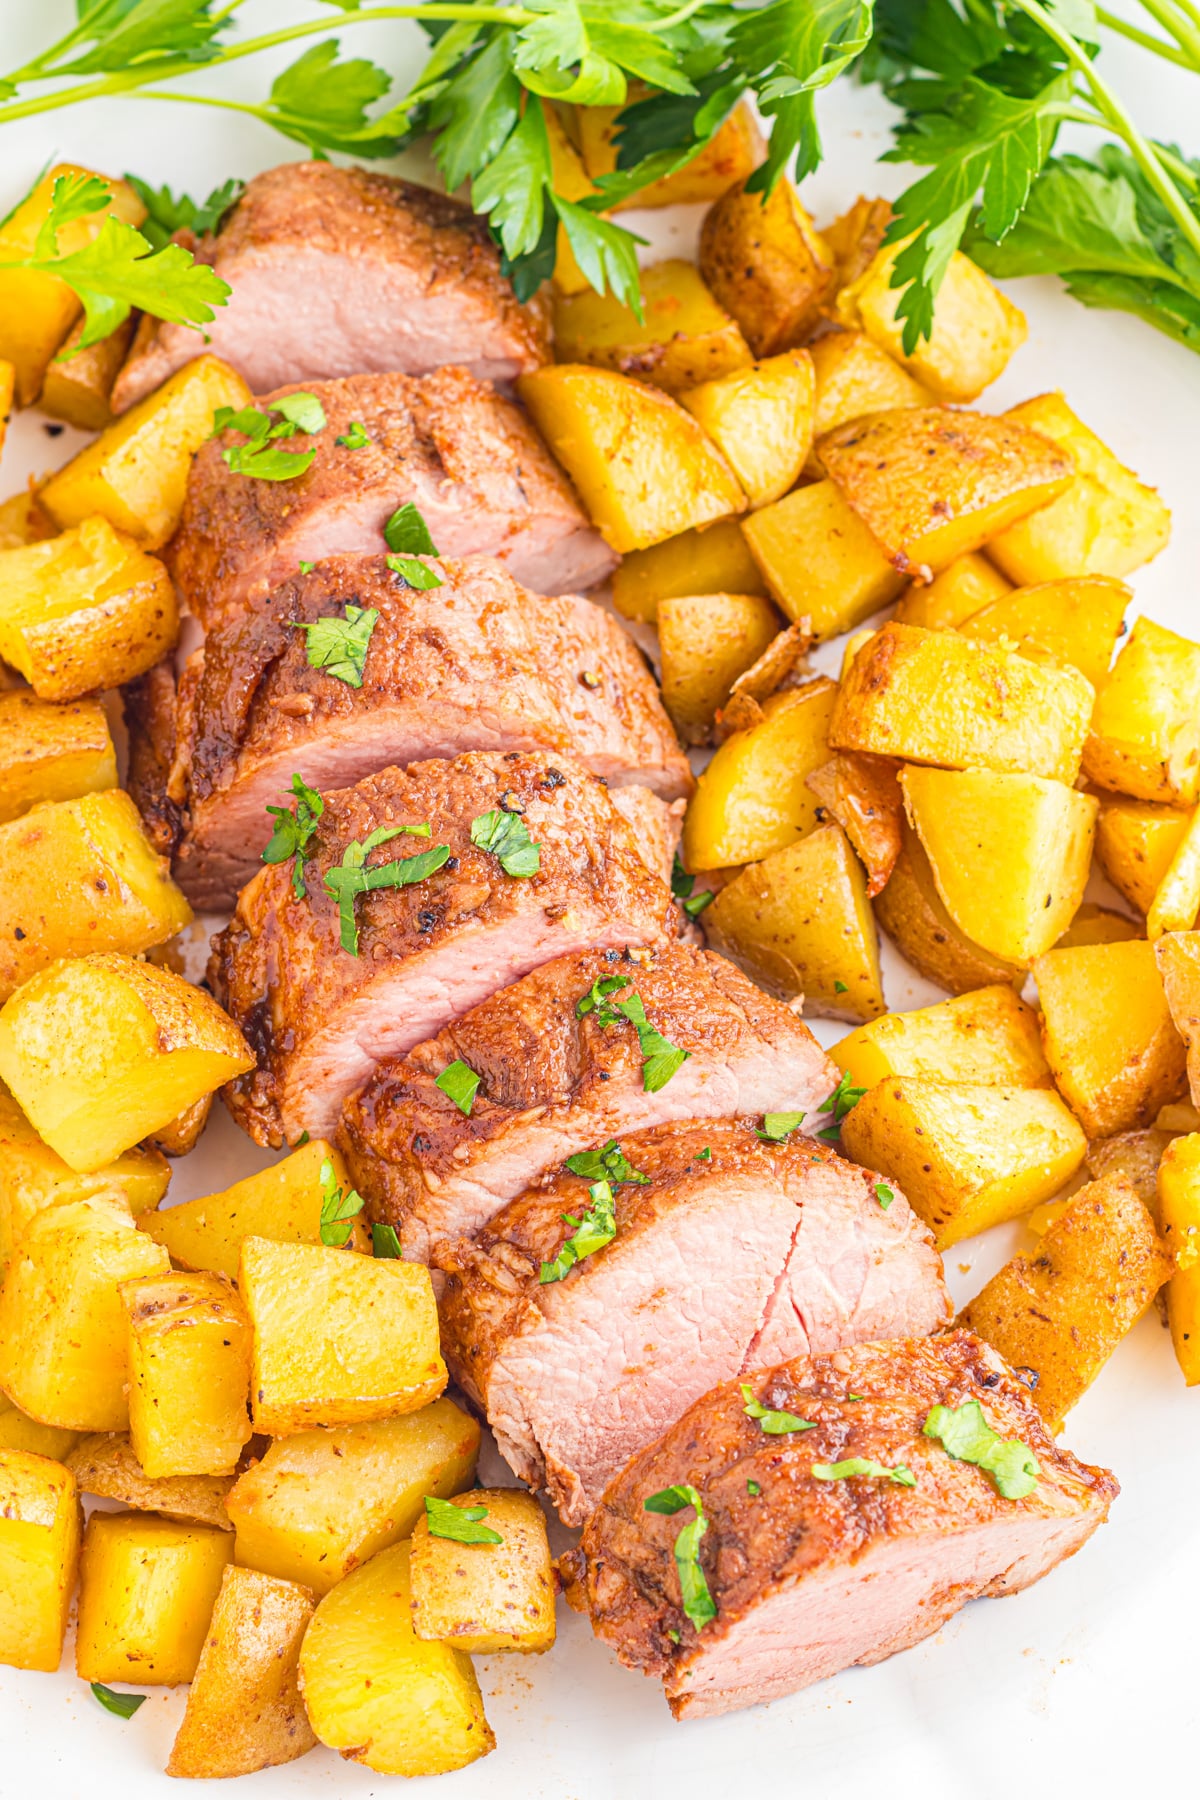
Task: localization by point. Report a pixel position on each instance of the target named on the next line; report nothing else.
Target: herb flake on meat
(606, 1164)
(506, 836)
(339, 646)
(862, 1465)
(965, 1434)
(774, 1424)
(349, 878)
(294, 828)
(592, 1232)
(698, 1603)
(459, 1082)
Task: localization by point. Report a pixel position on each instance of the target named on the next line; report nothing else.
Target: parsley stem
(681, 17)
(1184, 33)
(1145, 39)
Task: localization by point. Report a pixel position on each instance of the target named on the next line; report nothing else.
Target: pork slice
(552, 1083)
(320, 1018)
(475, 664)
(340, 271)
(731, 1241)
(150, 725)
(811, 1576)
(467, 458)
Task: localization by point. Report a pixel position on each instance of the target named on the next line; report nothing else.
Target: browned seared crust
(150, 722)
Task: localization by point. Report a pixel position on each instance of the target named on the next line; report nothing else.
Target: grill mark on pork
(577, 1375)
(810, 1576)
(430, 951)
(339, 271)
(468, 458)
(552, 1084)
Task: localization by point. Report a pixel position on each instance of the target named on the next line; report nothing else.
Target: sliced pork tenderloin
(736, 1251)
(552, 1083)
(811, 1575)
(149, 705)
(339, 271)
(320, 1018)
(467, 458)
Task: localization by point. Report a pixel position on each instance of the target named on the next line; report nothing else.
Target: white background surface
(1089, 1679)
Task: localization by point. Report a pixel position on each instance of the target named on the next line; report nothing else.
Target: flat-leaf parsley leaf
(592, 1232)
(506, 836)
(339, 1207)
(462, 1524)
(966, 1435)
(339, 646)
(775, 1424)
(293, 831)
(698, 1603)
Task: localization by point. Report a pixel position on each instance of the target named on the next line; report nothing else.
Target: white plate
(1055, 1686)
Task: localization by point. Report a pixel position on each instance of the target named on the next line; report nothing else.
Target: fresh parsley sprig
(166, 214)
(596, 1228)
(299, 412)
(294, 829)
(350, 878)
(506, 836)
(339, 1208)
(339, 646)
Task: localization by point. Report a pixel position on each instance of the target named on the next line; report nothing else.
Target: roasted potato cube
(181, 1134)
(1009, 715)
(1145, 737)
(683, 337)
(135, 473)
(1136, 845)
(1076, 623)
(321, 1502)
(1176, 902)
(1107, 523)
(1178, 1118)
(337, 1338)
(854, 376)
(782, 666)
(80, 875)
(716, 560)
(84, 610)
(1179, 1222)
(753, 798)
(244, 1710)
(644, 469)
(963, 588)
(706, 641)
(766, 264)
(1010, 853)
(282, 1203)
(50, 752)
(913, 914)
(189, 1373)
(967, 1156)
(147, 1588)
(1097, 925)
(79, 383)
(931, 485)
(99, 1051)
(104, 1465)
(40, 1526)
(862, 795)
(19, 1432)
(1178, 958)
(1135, 1155)
(486, 1597)
(8, 382)
(377, 1692)
(987, 1038)
(855, 236)
(800, 922)
(1063, 1312)
(1108, 1034)
(63, 1356)
(22, 521)
(818, 559)
(761, 420)
(733, 153)
(38, 310)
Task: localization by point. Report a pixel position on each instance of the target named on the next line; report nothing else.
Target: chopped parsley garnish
(596, 996)
(413, 572)
(861, 1465)
(752, 1487)
(349, 878)
(122, 1705)
(407, 533)
(257, 456)
(839, 987)
(293, 831)
(300, 1141)
(704, 1155)
(505, 835)
(672, 1634)
(463, 1524)
(339, 646)
(777, 1126)
(775, 1424)
(459, 1082)
(606, 1164)
(965, 1435)
(339, 1208)
(843, 1099)
(306, 568)
(592, 1232)
(682, 885)
(357, 438)
(698, 1603)
(696, 905)
(884, 1194)
(385, 1242)
(660, 1060)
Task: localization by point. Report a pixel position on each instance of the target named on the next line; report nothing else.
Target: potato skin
(1145, 736)
(104, 1465)
(988, 1037)
(1178, 958)
(863, 796)
(1136, 843)
(706, 641)
(735, 150)
(40, 1526)
(766, 265)
(78, 386)
(685, 337)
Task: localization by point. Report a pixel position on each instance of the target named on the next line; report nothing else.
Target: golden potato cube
(337, 1338)
(967, 1156)
(767, 265)
(854, 376)
(716, 560)
(319, 1503)
(8, 382)
(1179, 1222)
(38, 310)
(377, 1692)
(79, 383)
(987, 1038)
(706, 641)
(683, 337)
(84, 610)
(181, 1134)
(147, 1588)
(783, 665)
(1107, 523)
(1063, 1312)
(761, 420)
(1136, 845)
(104, 1465)
(40, 1525)
(63, 1356)
(1145, 737)
(976, 328)
(862, 795)
(101, 1050)
(1178, 958)
(135, 473)
(1107, 1031)
(111, 890)
(189, 1373)
(570, 179)
(753, 797)
(931, 485)
(734, 151)
(799, 922)
(483, 1598)
(818, 559)
(963, 588)
(643, 468)
(244, 1710)
(1176, 902)
(51, 752)
(1010, 854)
(22, 521)
(1097, 925)
(1074, 623)
(19, 1432)
(282, 1203)
(913, 914)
